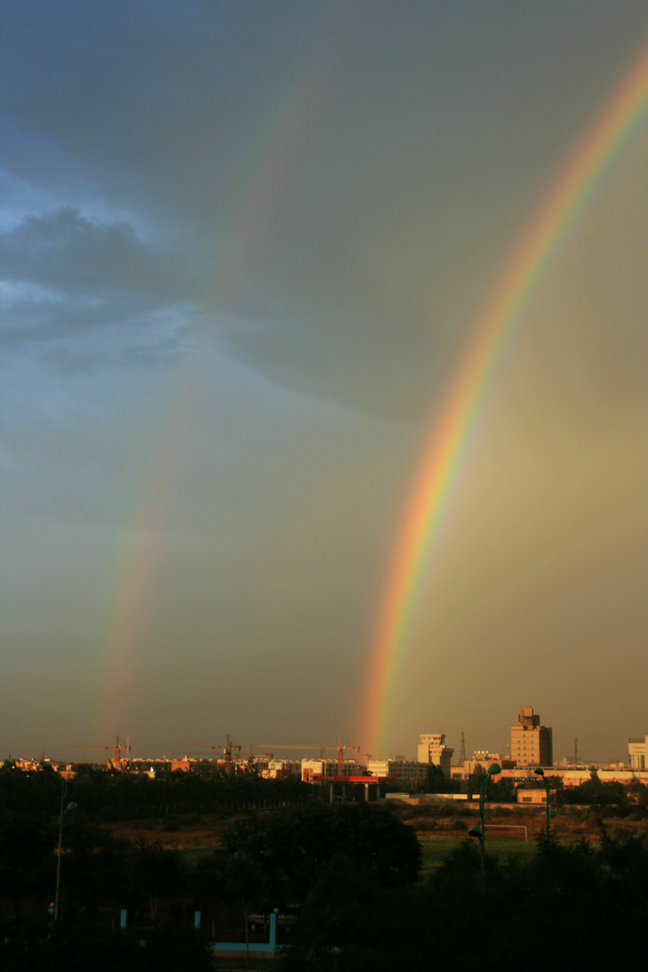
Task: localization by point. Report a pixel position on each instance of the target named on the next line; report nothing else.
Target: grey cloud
(156, 110)
(391, 369)
(363, 231)
(72, 253)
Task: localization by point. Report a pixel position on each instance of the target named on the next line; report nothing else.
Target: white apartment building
(638, 753)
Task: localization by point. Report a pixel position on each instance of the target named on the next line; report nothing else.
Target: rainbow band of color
(452, 432)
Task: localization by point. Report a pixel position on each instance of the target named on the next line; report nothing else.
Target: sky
(245, 248)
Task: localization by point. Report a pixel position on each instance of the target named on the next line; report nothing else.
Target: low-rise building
(281, 769)
(316, 770)
(532, 796)
(576, 776)
(405, 773)
(480, 759)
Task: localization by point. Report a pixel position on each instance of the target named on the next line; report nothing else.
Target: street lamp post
(63, 810)
(480, 832)
(550, 811)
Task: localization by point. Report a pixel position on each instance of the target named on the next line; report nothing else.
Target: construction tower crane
(322, 749)
(254, 756)
(227, 750)
(116, 762)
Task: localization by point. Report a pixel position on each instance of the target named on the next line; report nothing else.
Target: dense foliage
(289, 850)
(567, 907)
(110, 795)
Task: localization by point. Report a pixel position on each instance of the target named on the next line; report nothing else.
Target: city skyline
(240, 748)
(246, 252)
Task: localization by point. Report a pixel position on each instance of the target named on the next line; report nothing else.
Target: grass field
(194, 836)
(434, 851)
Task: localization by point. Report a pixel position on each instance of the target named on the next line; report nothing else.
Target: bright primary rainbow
(452, 431)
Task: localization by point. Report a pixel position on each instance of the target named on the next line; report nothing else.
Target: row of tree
(108, 795)
(111, 795)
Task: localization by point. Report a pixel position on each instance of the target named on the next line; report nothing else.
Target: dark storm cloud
(68, 252)
(157, 108)
(363, 231)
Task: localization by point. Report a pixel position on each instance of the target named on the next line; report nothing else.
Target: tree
(289, 848)
(475, 779)
(26, 857)
(153, 874)
(435, 781)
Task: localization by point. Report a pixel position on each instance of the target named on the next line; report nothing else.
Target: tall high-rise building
(432, 749)
(531, 743)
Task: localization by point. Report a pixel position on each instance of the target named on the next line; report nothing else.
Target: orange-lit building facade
(531, 743)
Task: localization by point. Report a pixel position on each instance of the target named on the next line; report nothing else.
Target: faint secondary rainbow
(452, 431)
(244, 223)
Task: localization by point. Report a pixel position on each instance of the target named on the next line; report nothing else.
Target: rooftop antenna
(462, 751)
(576, 749)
